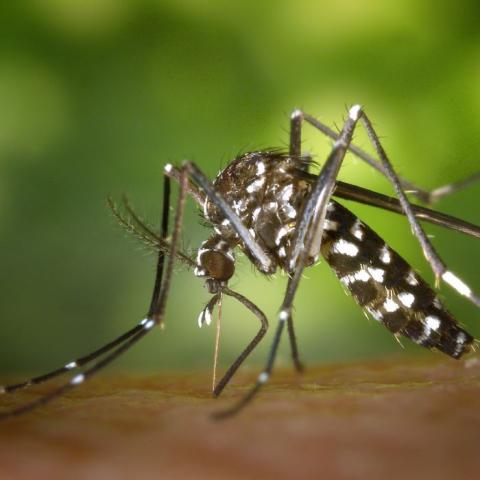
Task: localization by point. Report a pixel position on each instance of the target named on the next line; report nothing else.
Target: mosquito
(283, 217)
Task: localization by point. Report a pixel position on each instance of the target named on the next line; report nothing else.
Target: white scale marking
(199, 272)
(260, 168)
(201, 252)
(345, 248)
(256, 185)
(289, 210)
(461, 339)
(296, 113)
(229, 254)
(432, 322)
(385, 255)
(437, 303)
(77, 379)
(71, 365)
(287, 192)
(205, 207)
(221, 245)
(150, 324)
(263, 377)
(377, 274)
(280, 234)
(456, 283)
(205, 317)
(331, 225)
(390, 306)
(357, 230)
(412, 278)
(238, 206)
(360, 276)
(354, 112)
(256, 213)
(406, 298)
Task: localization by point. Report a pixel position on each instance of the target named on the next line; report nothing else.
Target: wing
(386, 286)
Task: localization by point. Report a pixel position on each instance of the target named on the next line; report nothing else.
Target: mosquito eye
(218, 265)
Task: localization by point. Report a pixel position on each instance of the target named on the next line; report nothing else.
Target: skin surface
(405, 418)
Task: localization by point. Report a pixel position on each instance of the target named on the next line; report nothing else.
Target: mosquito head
(215, 262)
(217, 265)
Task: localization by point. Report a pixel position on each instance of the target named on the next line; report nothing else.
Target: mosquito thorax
(267, 191)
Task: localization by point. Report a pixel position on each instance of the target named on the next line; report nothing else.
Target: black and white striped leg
(79, 378)
(78, 363)
(86, 359)
(131, 337)
(384, 166)
(438, 266)
(206, 313)
(425, 196)
(307, 235)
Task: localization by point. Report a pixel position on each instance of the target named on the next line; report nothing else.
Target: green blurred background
(97, 95)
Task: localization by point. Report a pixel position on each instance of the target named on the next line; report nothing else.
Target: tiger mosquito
(269, 205)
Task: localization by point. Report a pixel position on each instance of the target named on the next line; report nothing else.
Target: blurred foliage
(97, 95)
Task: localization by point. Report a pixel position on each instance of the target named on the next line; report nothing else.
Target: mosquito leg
(295, 151)
(375, 199)
(160, 294)
(82, 361)
(451, 188)
(79, 378)
(78, 363)
(296, 120)
(297, 363)
(155, 317)
(250, 347)
(174, 173)
(425, 196)
(154, 304)
(306, 237)
(438, 266)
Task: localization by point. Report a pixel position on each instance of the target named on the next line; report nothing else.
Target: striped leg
(146, 235)
(438, 266)
(425, 196)
(307, 238)
(385, 167)
(156, 313)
